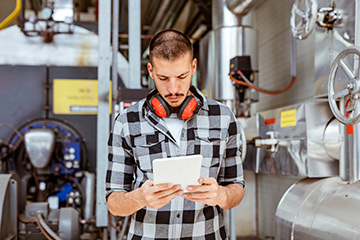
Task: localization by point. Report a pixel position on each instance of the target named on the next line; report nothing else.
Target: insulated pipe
(242, 7)
(12, 15)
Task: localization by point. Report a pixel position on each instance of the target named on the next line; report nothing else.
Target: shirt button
(178, 215)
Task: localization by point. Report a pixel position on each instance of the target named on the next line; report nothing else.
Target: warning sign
(76, 96)
(288, 118)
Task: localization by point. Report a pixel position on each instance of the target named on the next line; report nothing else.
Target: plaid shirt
(139, 136)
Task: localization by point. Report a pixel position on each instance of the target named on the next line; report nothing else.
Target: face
(173, 78)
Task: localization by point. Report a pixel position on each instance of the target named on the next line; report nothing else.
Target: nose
(173, 86)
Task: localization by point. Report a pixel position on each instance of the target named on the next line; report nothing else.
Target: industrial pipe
(12, 15)
(242, 7)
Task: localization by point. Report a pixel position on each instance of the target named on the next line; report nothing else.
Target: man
(174, 120)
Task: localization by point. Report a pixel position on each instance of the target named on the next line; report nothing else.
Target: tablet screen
(184, 170)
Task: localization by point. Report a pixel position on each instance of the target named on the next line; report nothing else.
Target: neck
(174, 109)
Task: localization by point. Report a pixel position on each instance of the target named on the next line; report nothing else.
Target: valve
(344, 90)
(303, 18)
(270, 142)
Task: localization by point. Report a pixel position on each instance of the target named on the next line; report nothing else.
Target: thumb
(148, 183)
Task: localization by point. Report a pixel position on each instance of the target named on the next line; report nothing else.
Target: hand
(209, 192)
(159, 195)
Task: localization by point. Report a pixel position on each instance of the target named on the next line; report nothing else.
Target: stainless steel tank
(319, 209)
(232, 35)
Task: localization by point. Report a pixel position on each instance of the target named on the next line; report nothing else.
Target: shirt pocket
(147, 148)
(208, 144)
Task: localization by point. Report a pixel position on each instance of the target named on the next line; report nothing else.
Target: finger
(166, 199)
(205, 180)
(148, 183)
(162, 187)
(201, 188)
(166, 192)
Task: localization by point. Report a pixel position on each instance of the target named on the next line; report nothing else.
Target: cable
(111, 223)
(250, 84)
(38, 223)
(45, 226)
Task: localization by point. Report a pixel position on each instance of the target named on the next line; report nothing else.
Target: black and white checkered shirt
(139, 136)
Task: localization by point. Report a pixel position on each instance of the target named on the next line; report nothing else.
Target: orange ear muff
(160, 106)
(187, 108)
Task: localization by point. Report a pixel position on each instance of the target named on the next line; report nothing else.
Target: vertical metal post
(115, 44)
(134, 43)
(356, 161)
(350, 152)
(103, 117)
(232, 221)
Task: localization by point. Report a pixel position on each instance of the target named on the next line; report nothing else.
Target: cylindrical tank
(232, 35)
(319, 209)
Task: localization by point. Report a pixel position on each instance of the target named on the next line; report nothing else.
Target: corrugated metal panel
(273, 24)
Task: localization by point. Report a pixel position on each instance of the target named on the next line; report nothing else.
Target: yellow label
(76, 96)
(288, 118)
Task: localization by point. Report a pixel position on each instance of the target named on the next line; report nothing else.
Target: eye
(163, 78)
(182, 76)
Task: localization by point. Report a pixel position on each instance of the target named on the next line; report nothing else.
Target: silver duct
(232, 35)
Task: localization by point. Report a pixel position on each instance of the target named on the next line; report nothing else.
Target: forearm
(231, 196)
(124, 203)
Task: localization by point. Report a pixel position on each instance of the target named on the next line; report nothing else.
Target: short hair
(170, 45)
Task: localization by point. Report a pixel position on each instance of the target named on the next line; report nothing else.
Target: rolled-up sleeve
(231, 169)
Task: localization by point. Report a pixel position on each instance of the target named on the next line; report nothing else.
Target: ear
(150, 70)
(193, 66)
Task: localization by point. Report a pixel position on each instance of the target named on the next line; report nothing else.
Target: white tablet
(184, 170)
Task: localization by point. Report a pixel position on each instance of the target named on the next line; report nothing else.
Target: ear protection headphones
(187, 109)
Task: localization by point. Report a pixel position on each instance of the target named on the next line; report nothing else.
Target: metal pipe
(134, 44)
(39, 215)
(115, 46)
(123, 229)
(222, 17)
(350, 152)
(103, 118)
(242, 7)
(161, 12)
(12, 15)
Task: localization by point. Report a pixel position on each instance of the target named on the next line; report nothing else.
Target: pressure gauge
(46, 13)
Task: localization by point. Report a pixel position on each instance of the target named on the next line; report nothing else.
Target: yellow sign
(288, 118)
(76, 96)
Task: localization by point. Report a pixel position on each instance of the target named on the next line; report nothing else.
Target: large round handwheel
(344, 89)
(303, 18)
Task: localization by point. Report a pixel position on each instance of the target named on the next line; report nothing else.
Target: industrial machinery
(56, 193)
(324, 208)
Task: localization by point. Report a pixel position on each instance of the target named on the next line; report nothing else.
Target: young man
(175, 119)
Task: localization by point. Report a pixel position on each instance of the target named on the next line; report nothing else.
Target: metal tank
(319, 209)
(232, 35)
(328, 208)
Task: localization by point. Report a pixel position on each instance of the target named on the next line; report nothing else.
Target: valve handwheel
(303, 18)
(344, 89)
